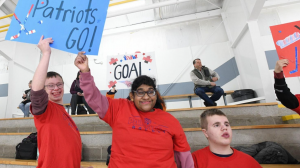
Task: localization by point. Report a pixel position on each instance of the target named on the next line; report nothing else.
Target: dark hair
(78, 73)
(30, 82)
(194, 62)
(208, 113)
(146, 80)
(52, 74)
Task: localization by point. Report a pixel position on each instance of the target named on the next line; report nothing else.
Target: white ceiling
(171, 11)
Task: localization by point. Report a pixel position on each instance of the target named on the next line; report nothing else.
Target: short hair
(146, 80)
(30, 82)
(52, 74)
(208, 113)
(194, 62)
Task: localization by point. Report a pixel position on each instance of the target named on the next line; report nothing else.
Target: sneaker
(207, 105)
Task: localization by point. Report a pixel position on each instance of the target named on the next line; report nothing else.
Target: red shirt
(59, 141)
(204, 158)
(143, 139)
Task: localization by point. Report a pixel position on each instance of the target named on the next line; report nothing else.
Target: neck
(58, 102)
(221, 149)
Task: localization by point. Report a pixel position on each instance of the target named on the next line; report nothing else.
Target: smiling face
(55, 94)
(218, 131)
(146, 102)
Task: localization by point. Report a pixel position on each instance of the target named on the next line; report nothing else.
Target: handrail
(4, 26)
(3, 17)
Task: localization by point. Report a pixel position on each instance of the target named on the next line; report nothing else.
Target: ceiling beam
(145, 7)
(2, 2)
(175, 20)
(258, 6)
(277, 3)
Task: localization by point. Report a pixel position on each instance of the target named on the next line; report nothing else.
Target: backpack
(81, 110)
(27, 149)
(108, 155)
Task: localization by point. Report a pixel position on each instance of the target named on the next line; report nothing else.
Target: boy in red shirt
(59, 141)
(219, 154)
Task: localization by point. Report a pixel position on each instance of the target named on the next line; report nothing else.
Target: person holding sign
(282, 91)
(143, 134)
(59, 141)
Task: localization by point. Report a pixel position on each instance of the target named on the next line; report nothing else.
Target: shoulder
(243, 156)
(200, 152)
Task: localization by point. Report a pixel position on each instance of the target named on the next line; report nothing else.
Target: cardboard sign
(74, 25)
(286, 38)
(123, 69)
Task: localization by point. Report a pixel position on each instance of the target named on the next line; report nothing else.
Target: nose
(146, 96)
(55, 87)
(223, 127)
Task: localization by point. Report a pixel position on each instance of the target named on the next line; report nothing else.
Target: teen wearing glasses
(59, 139)
(143, 134)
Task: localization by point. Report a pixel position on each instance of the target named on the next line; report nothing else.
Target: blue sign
(74, 25)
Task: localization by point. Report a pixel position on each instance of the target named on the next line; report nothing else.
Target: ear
(131, 96)
(205, 133)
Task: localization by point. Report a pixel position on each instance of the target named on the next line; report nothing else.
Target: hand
(212, 83)
(79, 94)
(24, 95)
(82, 94)
(44, 46)
(113, 89)
(214, 79)
(81, 61)
(280, 64)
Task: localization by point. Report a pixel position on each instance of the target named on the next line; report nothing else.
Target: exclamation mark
(91, 44)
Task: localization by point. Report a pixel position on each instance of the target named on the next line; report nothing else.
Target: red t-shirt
(143, 139)
(59, 141)
(204, 158)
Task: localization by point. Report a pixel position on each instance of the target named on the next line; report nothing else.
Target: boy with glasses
(59, 141)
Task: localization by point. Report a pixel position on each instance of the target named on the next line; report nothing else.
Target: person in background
(204, 80)
(283, 93)
(25, 104)
(143, 134)
(216, 128)
(78, 96)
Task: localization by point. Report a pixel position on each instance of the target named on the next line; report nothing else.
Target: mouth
(145, 102)
(56, 94)
(225, 135)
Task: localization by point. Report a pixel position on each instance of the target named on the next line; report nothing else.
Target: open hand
(81, 61)
(280, 64)
(44, 45)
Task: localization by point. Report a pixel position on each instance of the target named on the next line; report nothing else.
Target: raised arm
(39, 97)
(282, 91)
(92, 95)
(40, 74)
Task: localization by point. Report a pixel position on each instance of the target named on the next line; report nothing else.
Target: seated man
(218, 154)
(204, 80)
(25, 104)
(288, 99)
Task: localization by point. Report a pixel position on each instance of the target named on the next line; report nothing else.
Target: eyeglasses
(141, 93)
(52, 86)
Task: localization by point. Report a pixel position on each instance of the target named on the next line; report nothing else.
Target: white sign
(123, 69)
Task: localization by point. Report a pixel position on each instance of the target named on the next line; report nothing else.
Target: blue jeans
(217, 90)
(25, 108)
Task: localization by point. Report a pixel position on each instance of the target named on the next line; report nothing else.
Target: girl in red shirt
(143, 134)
